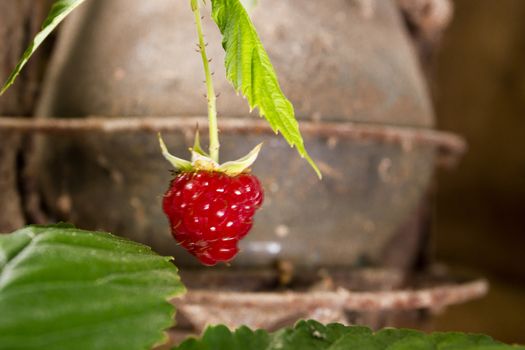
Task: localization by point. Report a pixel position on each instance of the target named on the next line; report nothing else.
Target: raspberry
(209, 212)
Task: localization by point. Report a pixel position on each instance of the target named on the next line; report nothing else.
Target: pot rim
(436, 297)
(450, 147)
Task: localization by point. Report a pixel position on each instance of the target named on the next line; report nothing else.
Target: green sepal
(203, 162)
(200, 161)
(236, 167)
(178, 163)
(197, 146)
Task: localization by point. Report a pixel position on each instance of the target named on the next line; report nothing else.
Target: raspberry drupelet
(209, 212)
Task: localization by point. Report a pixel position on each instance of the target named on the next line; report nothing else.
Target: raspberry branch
(210, 91)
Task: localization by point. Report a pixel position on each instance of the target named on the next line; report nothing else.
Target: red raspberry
(209, 212)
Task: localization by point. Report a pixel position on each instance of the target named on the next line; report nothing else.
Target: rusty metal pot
(347, 66)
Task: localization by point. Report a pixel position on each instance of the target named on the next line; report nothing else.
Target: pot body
(337, 61)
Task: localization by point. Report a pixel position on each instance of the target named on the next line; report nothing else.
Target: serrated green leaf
(390, 337)
(220, 338)
(312, 335)
(59, 11)
(412, 343)
(455, 340)
(250, 71)
(65, 288)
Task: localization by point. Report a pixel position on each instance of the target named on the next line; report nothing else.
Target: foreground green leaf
(250, 71)
(59, 11)
(65, 288)
(312, 335)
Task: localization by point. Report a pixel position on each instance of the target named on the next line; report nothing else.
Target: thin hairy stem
(210, 91)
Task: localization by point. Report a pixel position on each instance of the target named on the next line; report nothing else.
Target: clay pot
(339, 62)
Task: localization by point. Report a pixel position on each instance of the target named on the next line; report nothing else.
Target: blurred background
(479, 92)
(470, 54)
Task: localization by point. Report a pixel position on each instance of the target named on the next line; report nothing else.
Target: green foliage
(311, 335)
(59, 11)
(250, 71)
(248, 66)
(65, 288)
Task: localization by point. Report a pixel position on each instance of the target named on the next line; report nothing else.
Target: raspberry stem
(210, 91)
